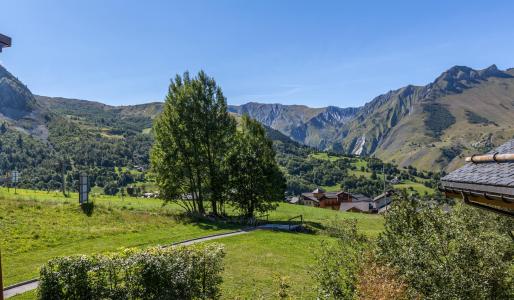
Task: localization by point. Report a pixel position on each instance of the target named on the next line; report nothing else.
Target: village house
(486, 181)
(334, 200)
(292, 199)
(382, 202)
(320, 198)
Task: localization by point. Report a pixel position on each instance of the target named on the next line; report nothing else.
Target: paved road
(28, 286)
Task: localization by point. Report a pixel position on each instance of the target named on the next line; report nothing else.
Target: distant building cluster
(344, 201)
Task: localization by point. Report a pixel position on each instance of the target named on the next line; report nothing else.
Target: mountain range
(463, 111)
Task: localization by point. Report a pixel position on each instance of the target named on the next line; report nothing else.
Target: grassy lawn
(419, 187)
(331, 188)
(26, 296)
(254, 261)
(37, 226)
(324, 156)
(359, 163)
(359, 173)
(34, 229)
(371, 225)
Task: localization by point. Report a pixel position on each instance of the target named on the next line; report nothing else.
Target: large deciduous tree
(192, 136)
(256, 182)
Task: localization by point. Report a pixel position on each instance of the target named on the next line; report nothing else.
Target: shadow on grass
(88, 208)
(237, 223)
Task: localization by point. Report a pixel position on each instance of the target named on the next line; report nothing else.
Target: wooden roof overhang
(486, 181)
(5, 41)
(476, 195)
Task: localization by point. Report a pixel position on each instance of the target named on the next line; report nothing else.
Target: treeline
(202, 156)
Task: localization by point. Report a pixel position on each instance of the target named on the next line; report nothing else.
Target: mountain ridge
(461, 111)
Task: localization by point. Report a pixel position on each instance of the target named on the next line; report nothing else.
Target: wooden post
(1, 279)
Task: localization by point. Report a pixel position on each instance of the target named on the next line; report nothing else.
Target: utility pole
(63, 165)
(5, 42)
(384, 173)
(1, 279)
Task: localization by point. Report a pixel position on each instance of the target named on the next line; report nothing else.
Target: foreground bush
(465, 253)
(338, 265)
(156, 273)
(380, 282)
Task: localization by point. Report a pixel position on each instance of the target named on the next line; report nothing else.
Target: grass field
(255, 261)
(37, 226)
(419, 187)
(324, 156)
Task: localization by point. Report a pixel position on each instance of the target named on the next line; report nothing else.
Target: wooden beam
(495, 202)
(491, 158)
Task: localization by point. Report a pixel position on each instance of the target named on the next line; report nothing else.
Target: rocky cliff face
(18, 106)
(16, 101)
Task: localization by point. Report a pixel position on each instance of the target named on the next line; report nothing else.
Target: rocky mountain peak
(458, 78)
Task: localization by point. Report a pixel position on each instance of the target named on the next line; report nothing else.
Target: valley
(229, 150)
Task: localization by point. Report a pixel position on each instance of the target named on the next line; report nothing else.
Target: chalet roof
(5, 41)
(383, 195)
(486, 181)
(327, 195)
(360, 198)
(294, 200)
(362, 206)
(318, 191)
(310, 196)
(489, 177)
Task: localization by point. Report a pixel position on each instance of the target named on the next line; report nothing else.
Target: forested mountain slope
(39, 135)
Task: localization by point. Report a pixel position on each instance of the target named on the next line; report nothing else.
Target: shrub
(465, 253)
(338, 265)
(157, 273)
(378, 281)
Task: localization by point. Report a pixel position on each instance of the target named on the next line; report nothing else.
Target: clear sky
(315, 53)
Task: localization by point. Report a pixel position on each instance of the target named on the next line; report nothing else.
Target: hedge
(192, 272)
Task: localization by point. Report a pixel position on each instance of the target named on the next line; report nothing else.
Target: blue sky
(316, 53)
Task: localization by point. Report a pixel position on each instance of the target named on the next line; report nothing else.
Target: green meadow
(37, 226)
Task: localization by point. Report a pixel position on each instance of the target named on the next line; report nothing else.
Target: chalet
(5, 42)
(333, 200)
(293, 199)
(320, 198)
(382, 202)
(486, 181)
(356, 203)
